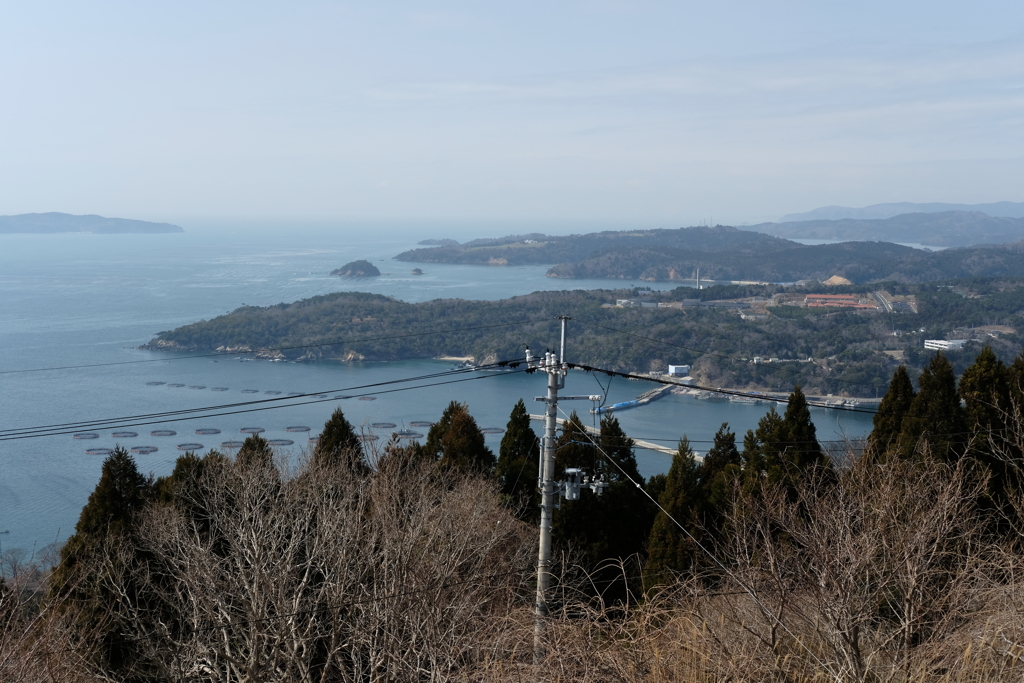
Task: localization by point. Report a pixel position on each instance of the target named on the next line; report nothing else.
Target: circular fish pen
(232, 444)
(154, 384)
(492, 430)
(342, 397)
(297, 428)
(313, 440)
(175, 385)
(144, 450)
(218, 389)
(198, 386)
(190, 446)
(367, 398)
(272, 393)
(163, 432)
(280, 442)
(85, 435)
(250, 391)
(366, 438)
(252, 430)
(98, 451)
(207, 430)
(408, 434)
(383, 425)
(124, 435)
(295, 393)
(421, 423)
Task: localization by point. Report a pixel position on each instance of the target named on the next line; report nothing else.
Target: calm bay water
(92, 299)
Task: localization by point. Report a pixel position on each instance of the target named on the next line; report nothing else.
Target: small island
(417, 271)
(360, 268)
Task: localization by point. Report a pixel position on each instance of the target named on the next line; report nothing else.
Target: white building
(944, 344)
(678, 370)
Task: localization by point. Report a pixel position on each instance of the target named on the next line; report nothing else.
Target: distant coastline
(56, 223)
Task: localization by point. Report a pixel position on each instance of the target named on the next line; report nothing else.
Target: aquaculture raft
(367, 398)
(219, 389)
(408, 434)
(124, 435)
(203, 431)
(280, 442)
(144, 450)
(153, 384)
(85, 435)
(98, 451)
(383, 425)
(252, 430)
(189, 446)
(297, 428)
(232, 444)
(421, 423)
(163, 432)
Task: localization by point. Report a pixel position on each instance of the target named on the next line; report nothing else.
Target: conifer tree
(763, 449)
(339, 445)
(518, 460)
(935, 415)
(457, 443)
(106, 521)
(888, 421)
(668, 548)
(985, 389)
(721, 467)
(802, 451)
(255, 453)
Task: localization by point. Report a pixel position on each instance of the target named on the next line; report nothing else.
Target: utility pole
(550, 490)
(554, 367)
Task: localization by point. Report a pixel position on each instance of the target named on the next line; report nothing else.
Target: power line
(99, 423)
(279, 348)
(250, 410)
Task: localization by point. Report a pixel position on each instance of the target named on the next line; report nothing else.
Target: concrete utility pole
(555, 369)
(576, 479)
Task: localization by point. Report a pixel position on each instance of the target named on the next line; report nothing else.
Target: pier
(642, 400)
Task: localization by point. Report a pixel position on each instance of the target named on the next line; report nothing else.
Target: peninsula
(51, 223)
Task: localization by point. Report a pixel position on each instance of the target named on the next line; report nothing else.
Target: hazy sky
(633, 112)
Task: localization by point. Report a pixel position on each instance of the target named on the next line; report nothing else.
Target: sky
(610, 113)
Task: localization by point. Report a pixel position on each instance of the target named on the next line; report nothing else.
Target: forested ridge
(847, 348)
(896, 559)
(725, 253)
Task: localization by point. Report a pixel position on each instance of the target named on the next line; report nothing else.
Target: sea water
(91, 300)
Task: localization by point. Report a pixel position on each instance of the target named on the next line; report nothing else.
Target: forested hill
(858, 262)
(847, 347)
(725, 253)
(46, 223)
(533, 249)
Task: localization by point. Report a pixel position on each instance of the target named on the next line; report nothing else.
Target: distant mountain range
(937, 229)
(48, 223)
(834, 213)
